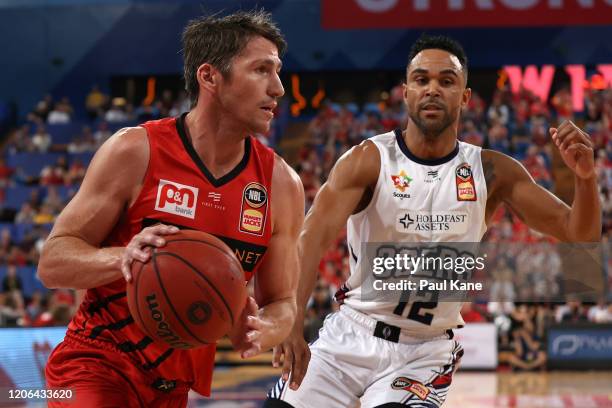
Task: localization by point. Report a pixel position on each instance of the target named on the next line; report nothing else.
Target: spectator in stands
(95, 102)
(181, 105)
(75, 174)
(36, 250)
(42, 109)
(10, 313)
(475, 109)
(574, 313)
(539, 134)
(35, 198)
(527, 349)
(17, 256)
(603, 167)
(498, 112)
(165, 103)
(498, 138)
(471, 134)
(371, 125)
(41, 141)
(56, 315)
(471, 314)
(102, 134)
(536, 166)
(6, 244)
(20, 140)
(35, 307)
(502, 288)
(594, 115)
(117, 112)
(146, 112)
(501, 312)
(6, 172)
(54, 175)
(54, 199)
(12, 282)
(562, 102)
(46, 215)
(83, 143)
(26, 214)
(601, 312)
(61, 113)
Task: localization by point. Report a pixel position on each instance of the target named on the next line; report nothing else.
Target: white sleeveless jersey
(415, 200)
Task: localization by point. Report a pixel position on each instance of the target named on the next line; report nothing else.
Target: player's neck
(427, 148)
(219, 146)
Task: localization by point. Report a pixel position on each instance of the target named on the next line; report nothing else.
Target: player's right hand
(139, 247)
(295, 355)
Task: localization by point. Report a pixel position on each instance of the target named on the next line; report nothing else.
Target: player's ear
(467, 94)
(207, 76)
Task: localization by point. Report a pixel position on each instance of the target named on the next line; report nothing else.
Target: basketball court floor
(245, 387)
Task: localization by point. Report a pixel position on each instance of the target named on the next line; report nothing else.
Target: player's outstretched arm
(509, 182)
(72, 257)
(348, 189)
(272, 313)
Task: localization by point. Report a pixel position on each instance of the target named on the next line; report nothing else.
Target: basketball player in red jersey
(202, 171)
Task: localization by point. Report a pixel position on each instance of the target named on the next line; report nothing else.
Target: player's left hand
(576, 148)
(247, 332)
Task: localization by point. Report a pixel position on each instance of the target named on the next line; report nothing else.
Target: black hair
(439, 42)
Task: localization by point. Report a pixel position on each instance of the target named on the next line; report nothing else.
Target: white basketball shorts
(350, 365)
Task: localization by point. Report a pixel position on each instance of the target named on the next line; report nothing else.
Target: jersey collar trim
(426, 162)
(216, 182)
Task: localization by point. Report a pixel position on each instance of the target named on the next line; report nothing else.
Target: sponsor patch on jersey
(417, 388)
(432, 176)
(255, 195)
(464, 180)
(444, 222)
(401, 181)
(213, 200)
(176, 198)
(254, 209)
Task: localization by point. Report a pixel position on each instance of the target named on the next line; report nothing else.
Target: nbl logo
(254, 209)
(255, 195)
(175, 198)
(464, 172)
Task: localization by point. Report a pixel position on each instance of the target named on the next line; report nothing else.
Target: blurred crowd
(514, 124)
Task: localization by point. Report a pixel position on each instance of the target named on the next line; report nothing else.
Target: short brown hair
(216, 40)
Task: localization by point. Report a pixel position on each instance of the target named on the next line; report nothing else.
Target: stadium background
(73, 71)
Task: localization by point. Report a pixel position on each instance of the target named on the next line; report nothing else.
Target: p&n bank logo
(176, 198)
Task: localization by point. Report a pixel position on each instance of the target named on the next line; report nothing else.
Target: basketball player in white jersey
(380, 354)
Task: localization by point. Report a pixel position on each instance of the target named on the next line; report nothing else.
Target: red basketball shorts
(104, 378)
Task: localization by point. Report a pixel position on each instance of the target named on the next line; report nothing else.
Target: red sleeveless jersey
(178, 189)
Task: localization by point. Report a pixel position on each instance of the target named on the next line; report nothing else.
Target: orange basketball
(190, 292)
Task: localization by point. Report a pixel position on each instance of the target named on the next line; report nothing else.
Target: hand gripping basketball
(139, 247)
